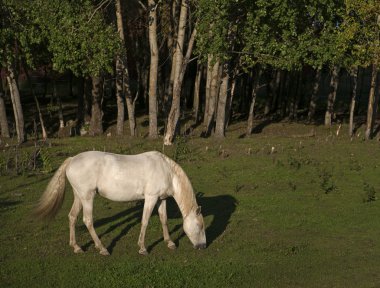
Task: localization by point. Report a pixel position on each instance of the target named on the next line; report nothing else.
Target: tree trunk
(231, 99)
(87, 99)
(96, 125)
(332, 95)
(197, 86)
(59, 103)
(153, 69)
(371, 101)
(297, 96)
(220, 125)
(174, 111)
(120, 100)
(178, 56)
(128, 95)
(3, 114)
(16, 102)
(353, 100)
(314, 95)
(44, 134)
(172, 46)
(285, 83)
(212, 98)
(207, 95)
(80, 107)
(253, 101)
(276, 91)
(270, 93)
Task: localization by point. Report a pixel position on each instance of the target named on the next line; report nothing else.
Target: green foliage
(78, 37)
(46, 165)
(369, 193)
(327, 182)
(288, 34)
(182, 150)
(72, 35)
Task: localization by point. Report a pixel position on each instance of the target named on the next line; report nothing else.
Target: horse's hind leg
(77, 206)
(148, 208)
(164, 221)
(88, 221)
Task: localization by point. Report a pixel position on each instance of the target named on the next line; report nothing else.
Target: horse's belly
(126, 193)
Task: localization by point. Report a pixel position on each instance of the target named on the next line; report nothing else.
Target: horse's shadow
(219, 207)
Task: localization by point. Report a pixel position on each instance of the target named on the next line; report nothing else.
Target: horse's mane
(183, 190)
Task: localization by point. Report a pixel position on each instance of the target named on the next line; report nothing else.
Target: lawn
(281, 209)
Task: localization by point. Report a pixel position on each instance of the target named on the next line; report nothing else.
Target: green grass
(303, 216)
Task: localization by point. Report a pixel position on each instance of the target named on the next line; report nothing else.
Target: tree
(153, 73)
(3, 115)
(123, 78)
(79, 40)
(11, 31)
(173, 118)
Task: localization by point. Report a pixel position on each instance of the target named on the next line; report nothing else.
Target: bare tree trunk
(220, 125)
(353, 100)
(3, 113)
(128, 95)
(276, 86)
(314, 95)
(96, 125)
(87, 97)
(120, 100)
(332, 95)
(153, 69)
(59, 103)
(173, 118)
(44, 134)
(212, 98)
(178, 56)
(371, 101)
(208, 83)
(253, 101)
(16, 102)
(231, 98)
(270, 93)
(80, 107)
(297, 96)
(197, 85)
(172, 46)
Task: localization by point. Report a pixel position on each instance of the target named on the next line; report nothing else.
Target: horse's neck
(184, 195)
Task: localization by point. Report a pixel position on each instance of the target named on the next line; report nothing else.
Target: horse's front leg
(164, 221)
(148, 208)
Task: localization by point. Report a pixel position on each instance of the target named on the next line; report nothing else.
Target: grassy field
(281, 210)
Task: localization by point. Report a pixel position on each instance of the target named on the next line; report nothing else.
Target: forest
(79, 67)
(268, 106)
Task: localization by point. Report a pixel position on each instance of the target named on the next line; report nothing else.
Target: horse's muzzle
(200, 246)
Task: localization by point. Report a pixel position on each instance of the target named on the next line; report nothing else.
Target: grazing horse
(151, 176)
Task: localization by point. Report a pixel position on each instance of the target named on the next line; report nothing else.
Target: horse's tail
(52, 199)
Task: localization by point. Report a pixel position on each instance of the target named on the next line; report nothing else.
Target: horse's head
(195, 229)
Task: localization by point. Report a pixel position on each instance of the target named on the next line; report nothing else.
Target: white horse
(151, 176)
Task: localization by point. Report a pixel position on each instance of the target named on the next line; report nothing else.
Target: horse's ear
(198, 211)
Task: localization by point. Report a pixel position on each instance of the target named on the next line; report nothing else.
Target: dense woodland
(209, 61)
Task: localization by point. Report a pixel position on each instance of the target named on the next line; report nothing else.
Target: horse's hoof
(104, 252)
(172, 246)
(143, 252)
(78, 250)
